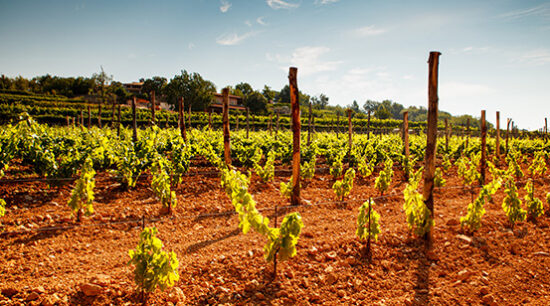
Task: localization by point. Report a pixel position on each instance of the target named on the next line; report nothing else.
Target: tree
(355, 107)
(245, 88)
(156, 84)
(319, 102)
(371, 105)
(101, 81)
(382, 113)
(195, 90)
(269, 94)
(256, 102)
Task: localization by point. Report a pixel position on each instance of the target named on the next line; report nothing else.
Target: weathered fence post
(181, 119)
(368, 126)
(189, 116)
(81, 118)
(446, 135)
(226, 137)
(134, 123)
(483, 162)
(337, 123)
(210, 119)
(277, 126)
(153, 118)
(119, 120)
(99, 115)
(296, 127)
(89, 116)
(406, 140)
(467, 133)
(309, 124)
(237, 125)
(497, 152)
(431, 142)
(545, 128)
(350, 131)
(67, 118)
(247, 122)
(113, 113)
(508, 121)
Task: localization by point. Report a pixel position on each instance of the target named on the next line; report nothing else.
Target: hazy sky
(495, 54)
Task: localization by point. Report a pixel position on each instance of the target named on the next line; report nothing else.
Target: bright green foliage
(153, 266)
(467, 168)
(384, 178)
(365, 167)
(307, 169)
(267, 172)
(538, 167)
(363, 230)
(2, 207)
(512, 204)
(129, 166)
(534, 205)
(337, 168)
(342, 187)
(419, 217)
(439, 181)
(476, 210)
(408, 166)
(513, 165)
(161, 182)
(284, 239)
(286, 188)
(179, 161)
(446, 162)
(495, 172)
(82, 195)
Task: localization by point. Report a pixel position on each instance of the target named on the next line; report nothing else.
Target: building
(133, 88)
(235, 103)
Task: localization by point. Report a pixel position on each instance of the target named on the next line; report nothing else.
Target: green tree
(382, 112)
(256, 102)
(245, 88)
(156, 84)
(195, 90)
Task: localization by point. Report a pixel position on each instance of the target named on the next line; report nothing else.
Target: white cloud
(542, 10)
(280, 4)
(323, 2)
(307, 60)
(536, 57)
(248, 23)
(369, 31)
(225, 5)
(260, 20)
(234, 39)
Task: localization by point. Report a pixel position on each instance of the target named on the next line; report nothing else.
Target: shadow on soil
(199, 245)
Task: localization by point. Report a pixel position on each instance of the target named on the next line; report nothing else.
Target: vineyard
(103, 215)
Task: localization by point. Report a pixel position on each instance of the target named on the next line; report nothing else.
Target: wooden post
(81, 118)
(99, 115)
(467, 133)
(508, 121)
(431, 142)
(181, 119)
(67, 118)
(337, 123)
(497, 151)
(483, 161)
(210, 119)
(89, 116)
(237, 124)
(226, 137)
(406, 137)
(296, 127)
(545, 128)
(153, 119)
(113, 113)
(309, 124)
(247, 122)
(277, 125)
(134, 123)
(189, 116)
(368, 126)
(350, 131)
(446, 135)
(119, 120)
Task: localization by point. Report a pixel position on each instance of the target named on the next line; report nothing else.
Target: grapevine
(364, 231)
(419, 217)
(534, 205)
(383, 180)
(82, 195)
(343, 187)
(476, 210)
(512, 204)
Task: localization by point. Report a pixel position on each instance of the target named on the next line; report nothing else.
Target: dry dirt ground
(86, 263)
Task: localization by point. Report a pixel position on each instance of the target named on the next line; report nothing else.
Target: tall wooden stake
(99, 115)
(483, 162)
(119, 120)
(337, 123)
(508, 121)
(81, 118)
(497, 152)
(181, 119)
(113, 113)
(309, 124)
(431, 142)
(134, 123)
(368, 126)
(446, 135)
(277, 126)
(226, 137)
(210, 119)
(467, 132)
(153, 102)
(350, 131)
(247, 122)
(89, 116)
(296, 127)
(189, 116)
(406, 140)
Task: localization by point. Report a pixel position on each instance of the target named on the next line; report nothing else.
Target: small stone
(39, 290)
(33, 296)
(541, 254)
(341, 293)
(464, 238)
(331, 255)
(484, 291)
(9, 292)
(484, 273)
(260, 296)
(332, 278)
(453, 222)
(50, 300)
(463, 275)
(488, 300)
(91, 289)
(329, 269)
(312, 251)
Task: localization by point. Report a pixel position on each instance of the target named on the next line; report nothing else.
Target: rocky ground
(49, 259)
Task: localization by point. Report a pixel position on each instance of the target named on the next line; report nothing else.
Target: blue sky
(495, 54)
